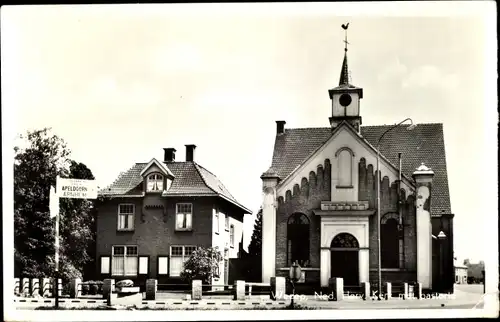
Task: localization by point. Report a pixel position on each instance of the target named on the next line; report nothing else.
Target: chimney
(280, 127)
(190, 152)
(169, 154)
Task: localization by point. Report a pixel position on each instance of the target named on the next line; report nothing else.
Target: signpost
(67, 188)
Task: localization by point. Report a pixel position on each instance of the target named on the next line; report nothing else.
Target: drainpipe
(400, 210)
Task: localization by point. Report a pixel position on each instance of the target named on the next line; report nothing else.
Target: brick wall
(154, 231)
(388, 204)
(303, 199)
(307, 197)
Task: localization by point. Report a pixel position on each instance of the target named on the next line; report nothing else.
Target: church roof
(191, 179)
(425, 143)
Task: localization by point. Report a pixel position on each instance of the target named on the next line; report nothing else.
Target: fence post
(418, 291)
(388, 290)
(35, 287)
(59, 286)
(405, 291)
(108, 287)
(151, 289)
(25, 291)
(75, 288)
(239, 290)
(278, 287)
(16, 286)
(366, 290)
(46, 287)
(196, 290)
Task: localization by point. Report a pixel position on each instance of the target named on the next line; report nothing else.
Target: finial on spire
(344, 73)
(345, 26)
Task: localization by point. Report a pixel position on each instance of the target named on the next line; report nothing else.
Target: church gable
(343, 152)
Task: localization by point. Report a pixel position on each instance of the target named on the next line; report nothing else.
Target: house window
(231, 235)
(226, 222)
(298, 239)
(344, 168)
(217, 220)
(155, 183)
(178, 256)
(184, 216)
(391, 242)
(126, 216)
(124, 261)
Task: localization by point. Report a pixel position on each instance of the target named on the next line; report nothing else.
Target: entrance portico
(349, 223)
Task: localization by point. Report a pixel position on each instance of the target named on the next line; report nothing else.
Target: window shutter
(105, 265)
(163, 265)
(143, 265)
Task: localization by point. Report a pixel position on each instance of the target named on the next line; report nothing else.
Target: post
(46, 285)
(196, 290)
(405, 294)
(25, 290)
(108, 287)
(417, 288)
(239, 290)
(16, 286)
(151, 288)
(35, 287)
(366, 290)
(75, 287)
(388, 290)
(278, 287)
(379, 260)
(54, 211)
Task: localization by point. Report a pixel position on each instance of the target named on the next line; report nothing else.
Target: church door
(345, 259)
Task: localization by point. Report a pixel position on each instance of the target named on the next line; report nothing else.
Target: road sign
(76, 188)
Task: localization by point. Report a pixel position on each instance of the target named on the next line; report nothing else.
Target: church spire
(345, 97)
(344, 73)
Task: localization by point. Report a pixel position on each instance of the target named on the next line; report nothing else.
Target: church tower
(345, 97)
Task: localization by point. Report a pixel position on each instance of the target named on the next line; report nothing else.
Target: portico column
(364, 265)
(269, 183)
(325, 269)
(423, 177)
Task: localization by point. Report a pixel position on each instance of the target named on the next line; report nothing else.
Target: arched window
(344, 240)
(391, 242)
(155, 182)
(344, 157)
(298, 239)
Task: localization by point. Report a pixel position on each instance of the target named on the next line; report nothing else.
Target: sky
(121, 82)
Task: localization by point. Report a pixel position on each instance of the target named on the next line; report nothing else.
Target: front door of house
(345, 259)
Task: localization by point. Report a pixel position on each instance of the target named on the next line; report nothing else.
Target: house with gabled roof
(153, 216)
(320, 202)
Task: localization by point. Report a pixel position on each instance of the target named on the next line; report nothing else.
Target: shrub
(202, 264)
(94, 288)
(85, 288)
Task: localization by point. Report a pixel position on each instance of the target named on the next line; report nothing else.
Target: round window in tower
(345, 99)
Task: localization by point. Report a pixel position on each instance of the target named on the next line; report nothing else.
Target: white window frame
(126, 215)
(185, 215)
(217, 220)
(347, 155)
(226, 222)
(231, 235)
(158, 179)
(125, 256)
(184, 257)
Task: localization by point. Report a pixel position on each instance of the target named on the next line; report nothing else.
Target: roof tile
(425, 143)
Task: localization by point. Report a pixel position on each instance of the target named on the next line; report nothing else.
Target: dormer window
(155, 183)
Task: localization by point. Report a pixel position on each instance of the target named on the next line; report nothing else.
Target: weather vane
(345, 26)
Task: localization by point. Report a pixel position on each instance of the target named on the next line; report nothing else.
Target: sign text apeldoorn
(76, 188)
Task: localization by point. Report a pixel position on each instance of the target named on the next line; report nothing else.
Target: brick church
(320, 200)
